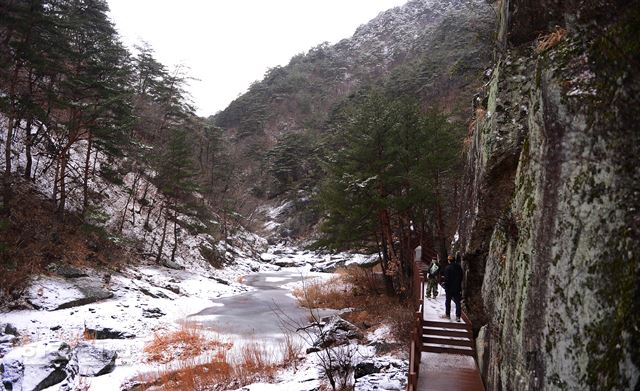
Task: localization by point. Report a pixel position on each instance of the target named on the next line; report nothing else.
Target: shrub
(550, 40)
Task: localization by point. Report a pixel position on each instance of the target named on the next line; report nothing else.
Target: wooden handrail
(416, 345)
(415, 352)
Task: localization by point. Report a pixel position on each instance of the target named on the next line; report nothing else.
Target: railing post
(421, 298)
(417, 327)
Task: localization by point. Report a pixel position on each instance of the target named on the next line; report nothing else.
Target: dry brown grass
(290, 349)
(321, 293)
(189, 341)
(190, 360)
(550, 40)
(188, 375)
(361, 290)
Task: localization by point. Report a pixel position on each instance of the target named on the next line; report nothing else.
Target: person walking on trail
(432, 279)
(452, 288)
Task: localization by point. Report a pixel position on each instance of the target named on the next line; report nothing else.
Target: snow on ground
(285, 256)
(130, 311)
(144, 298)
(148, 298)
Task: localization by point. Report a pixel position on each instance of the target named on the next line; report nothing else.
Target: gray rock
(173, 288)
(152, 313)
(219, 280)
(108, 333)
(95, 361)
(171, 265)
(148, 293)
(328, 266)
(381, 373)
(68, 271)
(53, 293)
(91, 294)
(286, 262)
(365, 368)
(7, 341)
(482, 349)
(38, 365)
(336, 331)
(8, 328)
(267, 257)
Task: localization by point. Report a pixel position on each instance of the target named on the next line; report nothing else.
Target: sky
(228, 44)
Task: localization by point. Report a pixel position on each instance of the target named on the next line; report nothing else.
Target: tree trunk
(394, 267)
(95, 162)
(6, 210)
(85, 181)
(441, 240)
(54, 192)
(132, 193)
(164, 234)
(28, 142)
(62, 189)
(175, 232)
(384, 255)
(148, 218)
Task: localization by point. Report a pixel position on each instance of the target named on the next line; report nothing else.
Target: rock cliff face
(550, 227)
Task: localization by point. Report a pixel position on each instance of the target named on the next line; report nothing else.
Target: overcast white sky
(228, 44)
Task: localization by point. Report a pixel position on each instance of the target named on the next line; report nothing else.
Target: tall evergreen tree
(382, 183)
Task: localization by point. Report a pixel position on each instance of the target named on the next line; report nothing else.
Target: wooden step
(445, 324)
(450, 349)
(435, 331)
(447, 341)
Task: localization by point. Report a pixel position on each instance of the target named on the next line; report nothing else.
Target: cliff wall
(549, 230)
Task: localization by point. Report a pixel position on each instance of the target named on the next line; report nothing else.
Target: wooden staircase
(448, 348)
(447, 337)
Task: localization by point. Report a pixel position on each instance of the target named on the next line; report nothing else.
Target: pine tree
(86, 94)
(382, 184)
(175, 179)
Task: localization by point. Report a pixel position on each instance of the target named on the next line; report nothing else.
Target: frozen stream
(254, 314)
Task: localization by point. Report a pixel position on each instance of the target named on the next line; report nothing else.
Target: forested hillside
(82, 113)
(430, 53)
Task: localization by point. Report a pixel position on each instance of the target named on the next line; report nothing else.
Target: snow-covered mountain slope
(434, 50)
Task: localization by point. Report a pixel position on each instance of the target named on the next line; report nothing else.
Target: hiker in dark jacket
(452, 287)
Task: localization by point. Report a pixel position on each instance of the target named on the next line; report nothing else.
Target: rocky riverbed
(76, 326)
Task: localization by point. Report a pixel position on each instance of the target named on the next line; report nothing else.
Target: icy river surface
(260, 312)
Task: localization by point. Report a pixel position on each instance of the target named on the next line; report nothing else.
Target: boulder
(8, 328)
(328, 266)
(381, 373)
(173, 288)
(152, 313)
(95, 361)
(7, 341)
(54, 293)
(107, 333)
(38, 365)
(267, 257)
(366, 261)
(365, 368)
(68, 271)
(336, 331)
(171, 264)
(287, 262)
